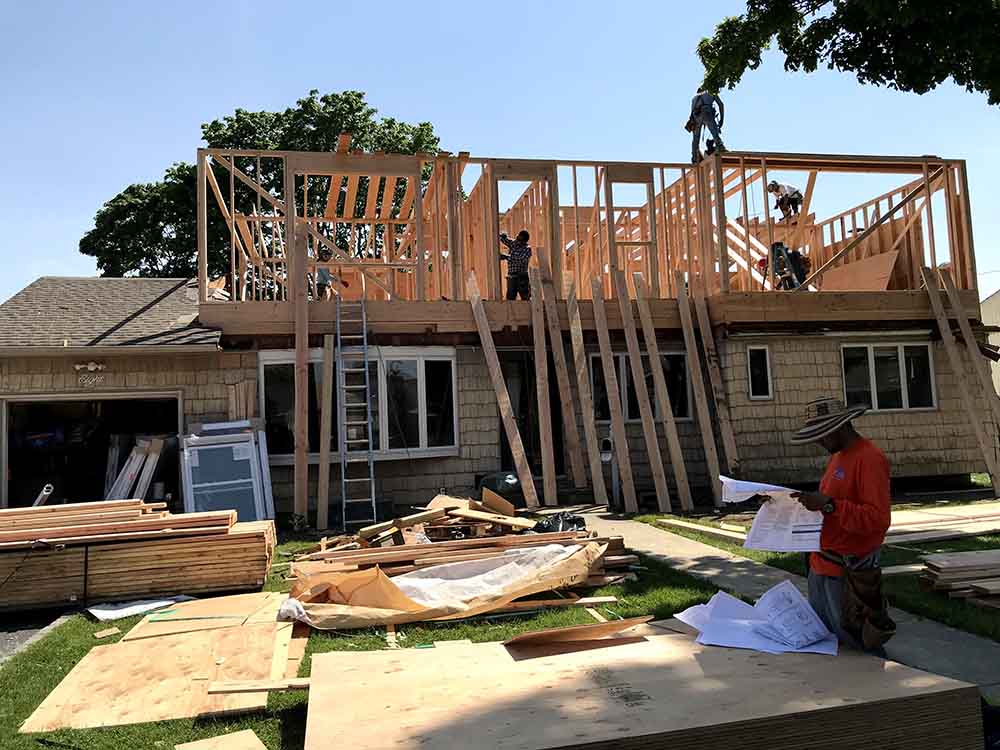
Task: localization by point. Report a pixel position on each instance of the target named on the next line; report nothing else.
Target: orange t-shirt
(857, 478)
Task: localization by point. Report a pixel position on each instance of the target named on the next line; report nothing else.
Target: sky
(99, 95)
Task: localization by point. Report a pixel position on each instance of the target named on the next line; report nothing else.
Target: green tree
(149, 229)
(910, 45)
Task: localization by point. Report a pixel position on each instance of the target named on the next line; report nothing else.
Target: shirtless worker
(854, 499)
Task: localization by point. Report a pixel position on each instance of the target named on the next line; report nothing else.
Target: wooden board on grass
(577, 632)
(245, 740)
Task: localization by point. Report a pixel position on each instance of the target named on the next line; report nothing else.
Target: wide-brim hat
(824, 416)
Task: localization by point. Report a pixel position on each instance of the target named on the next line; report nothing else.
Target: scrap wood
(447, 502)
(106, 632)
(245, 740)
(494, 502)
(432, 514)
(257, 686)
(476, 515)
(587, 632)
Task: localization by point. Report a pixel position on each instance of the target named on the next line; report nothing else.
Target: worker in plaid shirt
(517, 265)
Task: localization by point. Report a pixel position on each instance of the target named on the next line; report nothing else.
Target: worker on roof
(703, 116)
(517, 264)
(845, 580)
(789, 199)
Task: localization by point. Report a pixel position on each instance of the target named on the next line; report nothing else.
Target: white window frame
(379, 354)
(624, 362)
(900, 347)
(770, 382)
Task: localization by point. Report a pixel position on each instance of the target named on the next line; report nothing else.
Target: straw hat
(823, 416)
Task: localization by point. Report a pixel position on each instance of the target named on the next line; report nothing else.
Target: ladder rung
(354, 369)
(355, 388)
(357, 459)
(361, 405)
(358, 423)
(351, 335)
(359, 479)
(352, 320)
(356, 442)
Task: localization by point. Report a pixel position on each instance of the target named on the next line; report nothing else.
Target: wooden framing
(700, 396)
(325, 428)
(958, 369)
(642, 395)
(503, 398)
(586, 398)
(542, 389)
(614, 399)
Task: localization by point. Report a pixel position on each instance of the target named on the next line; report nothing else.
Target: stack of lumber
(406, 558)
(126, 549)
(964, 575)
(633, 693)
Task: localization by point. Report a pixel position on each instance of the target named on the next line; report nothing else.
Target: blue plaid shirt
(517, 260)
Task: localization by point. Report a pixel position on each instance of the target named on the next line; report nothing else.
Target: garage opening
(66, 443)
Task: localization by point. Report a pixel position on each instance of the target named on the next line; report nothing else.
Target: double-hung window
(674, 372)
(412, 391)
(889, 377)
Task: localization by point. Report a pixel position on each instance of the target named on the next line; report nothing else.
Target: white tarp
(121, 610)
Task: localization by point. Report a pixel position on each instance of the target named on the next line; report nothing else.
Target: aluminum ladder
(354, 408)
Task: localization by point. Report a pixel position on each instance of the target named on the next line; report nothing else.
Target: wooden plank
(871, 274)
(955, 359)
(567, 406)
(577, 632)
(663, 402)
(497, 504)
(586, 399)
(614, 398)
(979, 363)
(245, 740)
(698, 386)
(642, 394)
(231, 687)
(739, 536)
(718, 385)
(325, 428)
(542, 388)
(478, 515)
(404, 522)
(106, 632)
(500, 389)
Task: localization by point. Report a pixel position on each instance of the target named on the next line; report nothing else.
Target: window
(759, 373)
(674, 372)
(888, 377)
(411, 390)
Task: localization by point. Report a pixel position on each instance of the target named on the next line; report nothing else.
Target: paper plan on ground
(778, 620)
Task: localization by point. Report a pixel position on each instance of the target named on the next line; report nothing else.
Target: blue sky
(99, 95)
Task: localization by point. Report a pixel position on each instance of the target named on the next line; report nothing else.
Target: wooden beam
(979, 363)
(718, 384)
(974, 415)
(641, 394)
(325, 428)
(296, 248)
(662, 395)
(614, 398)
(202, 194)
(700, 397)
(542, 389)
(586, 399)
(500, 388)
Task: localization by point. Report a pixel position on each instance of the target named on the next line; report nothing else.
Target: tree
(909, 45)
(149, 229)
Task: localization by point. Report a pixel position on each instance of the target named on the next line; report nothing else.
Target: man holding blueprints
(845, 580)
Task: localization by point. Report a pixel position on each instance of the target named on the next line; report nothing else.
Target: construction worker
(517, 265)
(844, 576)
(703, 115)
(789, 199)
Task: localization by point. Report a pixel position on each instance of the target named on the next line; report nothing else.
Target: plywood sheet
(208, 614)
(154, 680)
(245, 740)
(658, 691)
(868, 275)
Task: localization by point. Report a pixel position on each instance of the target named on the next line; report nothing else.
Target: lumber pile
(965, 575)
(631, 693)
(126, 549)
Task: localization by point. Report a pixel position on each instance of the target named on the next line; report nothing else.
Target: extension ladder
(354, 407)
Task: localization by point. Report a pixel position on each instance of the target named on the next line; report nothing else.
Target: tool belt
(864, 608)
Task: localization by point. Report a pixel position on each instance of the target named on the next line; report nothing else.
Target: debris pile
(123, 549)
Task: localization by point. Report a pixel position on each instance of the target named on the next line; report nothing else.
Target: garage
(66, 441)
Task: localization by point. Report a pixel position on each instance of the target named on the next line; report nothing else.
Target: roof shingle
(57, 311)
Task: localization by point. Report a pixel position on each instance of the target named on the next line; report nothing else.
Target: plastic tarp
(364, 598)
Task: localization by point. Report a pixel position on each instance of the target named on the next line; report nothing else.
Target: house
(414, 235)
(991, 317)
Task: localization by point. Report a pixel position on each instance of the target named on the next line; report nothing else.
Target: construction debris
(965, 575)
(245, 740)
(126, 549)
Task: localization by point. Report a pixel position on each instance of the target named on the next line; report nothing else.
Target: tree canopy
(149, 229)
(910, 45)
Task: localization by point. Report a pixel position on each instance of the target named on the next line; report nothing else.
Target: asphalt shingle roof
(57, 311)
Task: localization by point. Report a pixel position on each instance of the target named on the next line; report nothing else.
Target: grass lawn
(28, 677)
(903, 591)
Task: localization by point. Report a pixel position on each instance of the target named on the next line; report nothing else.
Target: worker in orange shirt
(844, 576)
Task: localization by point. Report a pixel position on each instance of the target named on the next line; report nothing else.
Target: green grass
(903, 591)
(29, 676)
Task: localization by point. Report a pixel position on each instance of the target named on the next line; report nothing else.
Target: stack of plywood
(964, 574)
(633, 693)
(126, 549)
(409, 557)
